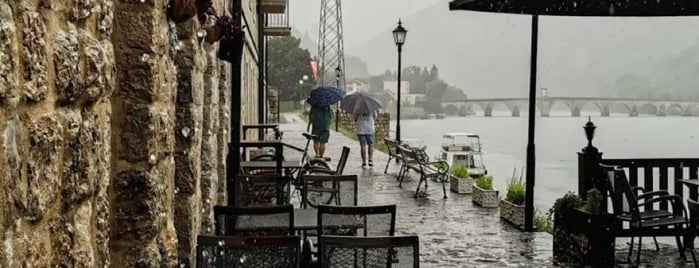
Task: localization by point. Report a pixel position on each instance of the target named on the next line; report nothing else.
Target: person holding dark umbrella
(364, 108)
(320, 115)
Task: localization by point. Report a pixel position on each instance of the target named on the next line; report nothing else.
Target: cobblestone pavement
(453, 232)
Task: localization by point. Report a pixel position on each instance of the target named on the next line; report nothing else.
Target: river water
(558, 139)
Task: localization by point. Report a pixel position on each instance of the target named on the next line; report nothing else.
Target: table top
(270, 164)
(305, 219)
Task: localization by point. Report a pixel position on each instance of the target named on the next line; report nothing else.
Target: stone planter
(460, 185)
(512, 213)
(485, 198)
(583, 239)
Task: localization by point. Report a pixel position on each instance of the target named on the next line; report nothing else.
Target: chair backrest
(257, 221)
(623, 198)
(357, 220)
(340, 190)
(407, 153)
(253, 252)
(343, 160)
(264, 189)
(391, 146)
(381, 251)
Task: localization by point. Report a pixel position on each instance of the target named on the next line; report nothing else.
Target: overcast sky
(483, 53)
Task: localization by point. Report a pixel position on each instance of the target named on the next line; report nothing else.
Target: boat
(463, 149)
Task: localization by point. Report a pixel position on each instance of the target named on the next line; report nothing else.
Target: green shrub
(568, 201)
(515, 189)
(543, 223)
(594, 202)
(460, 172)
(440, 165)
(485, 182)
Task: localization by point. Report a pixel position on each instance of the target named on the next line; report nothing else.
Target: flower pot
(583, 239)
(460, 185)
(485, 198)
(512, 213)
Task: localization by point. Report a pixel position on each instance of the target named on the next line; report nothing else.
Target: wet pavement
(454, 232)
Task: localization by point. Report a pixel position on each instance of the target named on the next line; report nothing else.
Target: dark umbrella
(360, 103)
(643, 8)
(324, 96)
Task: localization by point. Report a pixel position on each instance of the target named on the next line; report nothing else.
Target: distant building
(356, 85)
(391, 87)
(412, 99)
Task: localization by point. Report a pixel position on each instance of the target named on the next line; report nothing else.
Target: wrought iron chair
(252, 252)
(264, 189)
(254, 221)
(382, 251)
(338, 170)
(627, 208)
(340, 190)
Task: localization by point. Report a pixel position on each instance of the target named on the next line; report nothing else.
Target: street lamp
(399, 37)
(338, 73)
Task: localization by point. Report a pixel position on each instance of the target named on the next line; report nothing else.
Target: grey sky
(488, 54)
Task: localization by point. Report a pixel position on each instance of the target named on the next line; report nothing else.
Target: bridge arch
(674, 110)
(648, 109)
(620, 108)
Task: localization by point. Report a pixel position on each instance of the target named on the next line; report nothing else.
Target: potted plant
(582, 233)
(483, 192)
(460, 181)
(512, 207)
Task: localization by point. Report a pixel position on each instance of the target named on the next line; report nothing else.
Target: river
(558, 139)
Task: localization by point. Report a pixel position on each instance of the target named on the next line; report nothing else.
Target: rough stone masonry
(111, 118)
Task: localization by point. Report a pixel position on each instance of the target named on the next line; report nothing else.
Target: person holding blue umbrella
(320, 116)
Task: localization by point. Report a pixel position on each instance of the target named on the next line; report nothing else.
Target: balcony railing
(278, 23)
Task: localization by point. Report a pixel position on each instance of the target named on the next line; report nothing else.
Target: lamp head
(399, 34)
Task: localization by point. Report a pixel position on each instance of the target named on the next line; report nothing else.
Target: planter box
(583, 239)
(460, 185)
(485, 198)
(512, 213)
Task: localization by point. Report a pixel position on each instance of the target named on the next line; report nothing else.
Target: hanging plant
(181, 10)
(231, 45)
(205, 8)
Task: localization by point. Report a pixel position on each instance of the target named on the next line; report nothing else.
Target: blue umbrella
(325, 96)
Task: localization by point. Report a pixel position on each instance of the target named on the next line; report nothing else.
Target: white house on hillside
(391, 87)
(356, 85)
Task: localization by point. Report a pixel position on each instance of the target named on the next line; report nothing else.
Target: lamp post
(338, 73)
(399, 37)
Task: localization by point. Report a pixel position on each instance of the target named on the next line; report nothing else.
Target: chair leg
(444, 189)
(385, 170)
(628, 257)
(418, 187)
(638, 254)
(680, 248)
(656, 244)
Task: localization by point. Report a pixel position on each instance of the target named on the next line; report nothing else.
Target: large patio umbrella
(637, 8)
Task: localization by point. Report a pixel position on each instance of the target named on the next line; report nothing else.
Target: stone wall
(56, 76)
(111, 117)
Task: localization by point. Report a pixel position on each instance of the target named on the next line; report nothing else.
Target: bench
(392, 152)
(417, 160)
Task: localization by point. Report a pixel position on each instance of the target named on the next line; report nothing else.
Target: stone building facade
(114, 122)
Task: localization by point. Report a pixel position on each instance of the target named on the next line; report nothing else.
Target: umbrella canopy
(324, 96)
(616, 8)
(641, 8)
(360, 103)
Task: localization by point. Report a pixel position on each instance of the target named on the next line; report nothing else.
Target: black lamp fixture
(399, 34)
(338, 73)
(589, 132)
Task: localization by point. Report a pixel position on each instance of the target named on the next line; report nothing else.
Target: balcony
(277, 25)
(274, 6)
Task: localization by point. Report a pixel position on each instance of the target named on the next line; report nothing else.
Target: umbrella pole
(531, 151)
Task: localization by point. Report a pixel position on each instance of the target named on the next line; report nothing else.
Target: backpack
(181, 10)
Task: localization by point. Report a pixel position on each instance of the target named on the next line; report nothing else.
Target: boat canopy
(460, 141)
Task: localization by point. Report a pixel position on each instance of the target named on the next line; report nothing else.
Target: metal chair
(252, 252)
(338, 170)
(254, 221)
(357, 220)
(340, 190)
(264, 189)
(392, 152)
(360, 252)
(626, 207)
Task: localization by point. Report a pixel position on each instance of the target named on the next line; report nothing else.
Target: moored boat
(463, 149)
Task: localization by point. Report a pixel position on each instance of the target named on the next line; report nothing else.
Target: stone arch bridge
(575, 104)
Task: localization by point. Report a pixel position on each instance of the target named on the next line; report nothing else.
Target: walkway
(453, 232)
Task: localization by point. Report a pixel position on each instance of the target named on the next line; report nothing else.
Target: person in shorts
(319, 118)
(365, 134)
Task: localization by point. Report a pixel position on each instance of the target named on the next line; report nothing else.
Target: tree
(287, 64)
(435, 92)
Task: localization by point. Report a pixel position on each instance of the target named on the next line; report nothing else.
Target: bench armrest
(441, 169)
(649, 195)
(674, 200)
